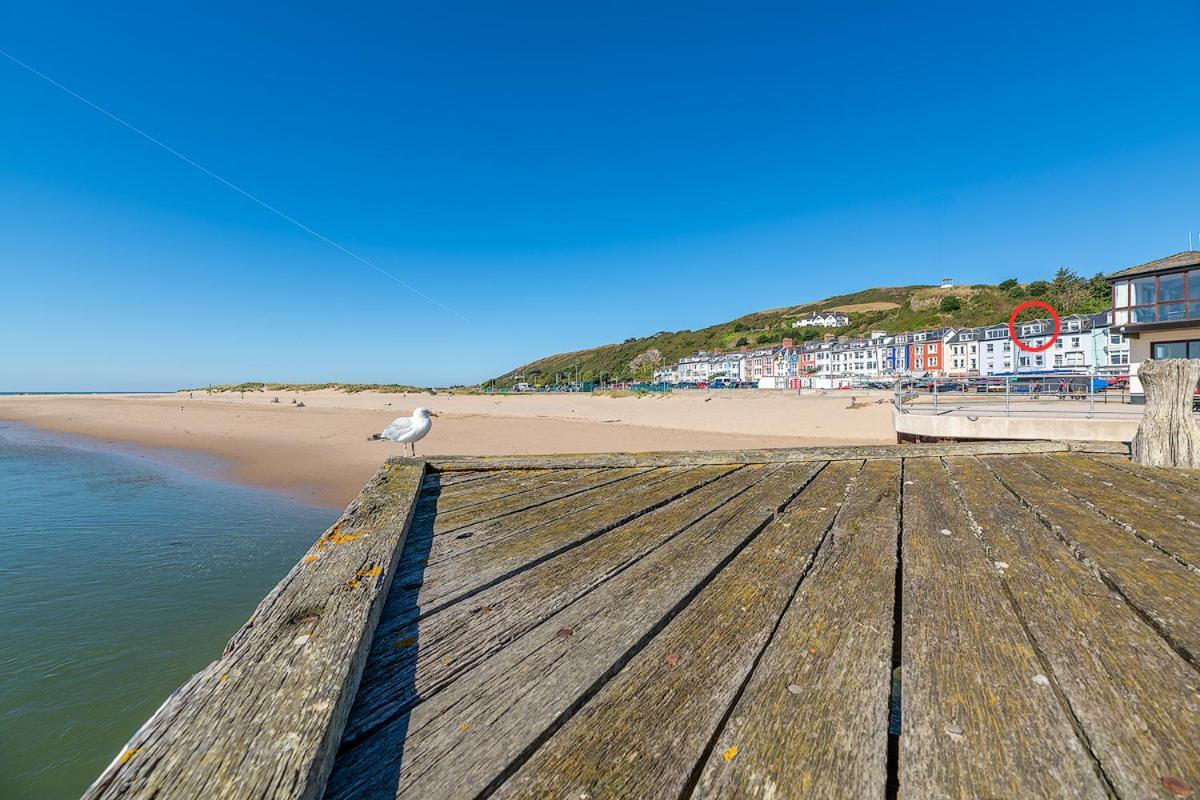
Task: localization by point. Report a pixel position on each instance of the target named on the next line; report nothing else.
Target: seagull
(409, 430)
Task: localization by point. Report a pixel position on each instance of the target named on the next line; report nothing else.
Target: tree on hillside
(1038, 289)
(1008, 285)
(949, 304)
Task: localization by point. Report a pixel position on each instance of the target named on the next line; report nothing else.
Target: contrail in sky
(231, 185)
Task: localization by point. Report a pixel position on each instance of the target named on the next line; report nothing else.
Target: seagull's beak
(434, 414)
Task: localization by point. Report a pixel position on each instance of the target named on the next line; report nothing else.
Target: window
(990, 347)
(932, 361)
(1170, 287)
(1074, 341)
(1164, 298)
(1144, 291)
(1116, 338)
(1121, 294)
(1189, 349)
(1058, 344)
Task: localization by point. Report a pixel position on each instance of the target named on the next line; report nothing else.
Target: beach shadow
(393, 653)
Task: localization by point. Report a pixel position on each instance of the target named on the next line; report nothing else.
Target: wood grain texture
(1172, 525)
(454, 640)
(1165, 592)
(580, 460)
(1136, 700)
(450, 495)
(646, 731)
(976, 720)
(1184, 481)
(491, 531)
(451, 580)
(265, 719)
(1168, 435)
(812, 722)
(552, 485)
(463, 740)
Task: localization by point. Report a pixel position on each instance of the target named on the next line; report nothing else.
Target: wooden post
(1168, 435)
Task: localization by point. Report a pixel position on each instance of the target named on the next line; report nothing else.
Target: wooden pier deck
(992, 620)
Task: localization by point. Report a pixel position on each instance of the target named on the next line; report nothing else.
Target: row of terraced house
(1155, 314)
(1085, 343)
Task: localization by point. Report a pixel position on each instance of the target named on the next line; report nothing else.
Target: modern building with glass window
(1157, 307)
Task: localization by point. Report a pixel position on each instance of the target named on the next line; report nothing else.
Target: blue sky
(561, 175)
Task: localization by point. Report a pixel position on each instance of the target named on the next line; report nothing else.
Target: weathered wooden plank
(1184, 505)
(265, 719)
(461, 741)
(774, 456)
(648, 729)
(438, 479)
(454, 496)
(1136, 700)
(554, 485)
(1181, 481)
(1165, 592)
(976, 719)
(448, 643)
(792, 733)
(1173, 528)
(634, 483)
(452, 579)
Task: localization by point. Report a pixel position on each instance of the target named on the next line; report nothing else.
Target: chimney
(829, 337)
(789, 343)
(743, 348)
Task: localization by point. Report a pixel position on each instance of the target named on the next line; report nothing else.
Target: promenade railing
(1051, 393)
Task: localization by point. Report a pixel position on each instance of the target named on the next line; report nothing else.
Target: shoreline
(320, 454)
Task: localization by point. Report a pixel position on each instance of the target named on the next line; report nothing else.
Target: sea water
(120, 576)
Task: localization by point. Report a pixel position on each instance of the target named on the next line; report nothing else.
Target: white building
(962, 358)
(995, 350)
(831, 320)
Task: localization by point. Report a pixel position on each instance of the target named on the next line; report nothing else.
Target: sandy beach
(321, 453)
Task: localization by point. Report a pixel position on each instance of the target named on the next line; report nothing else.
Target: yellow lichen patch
(464, 726)
(730, 753)
(308, 559)
(370, 573)
(128, 754)
(224, 677)
(407, 641)
(342, 538)
(353, 583)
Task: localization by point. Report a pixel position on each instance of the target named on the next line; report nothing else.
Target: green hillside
(893, 309)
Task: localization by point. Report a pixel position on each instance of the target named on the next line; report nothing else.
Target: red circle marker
(1012, 326)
